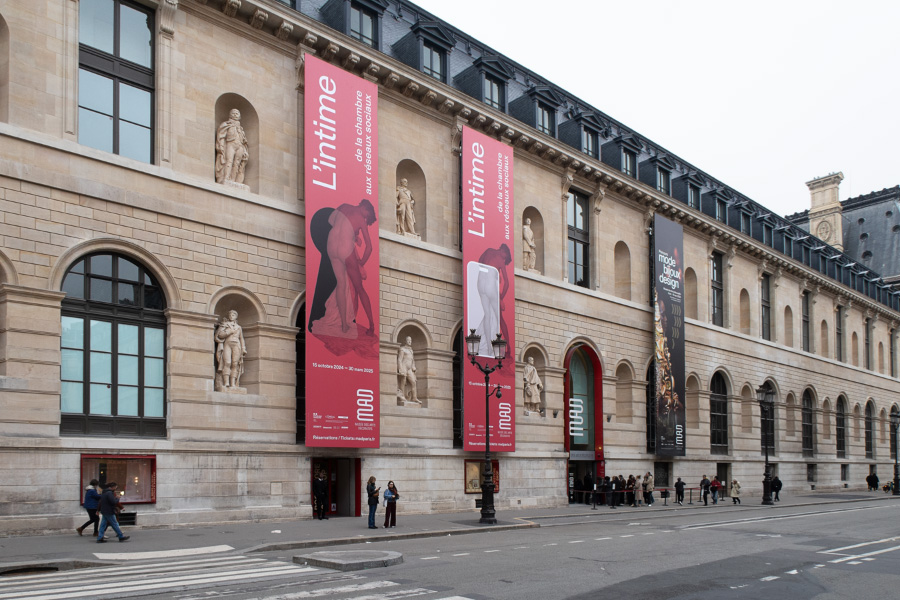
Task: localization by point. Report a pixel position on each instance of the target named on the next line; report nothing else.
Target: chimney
(825, 209)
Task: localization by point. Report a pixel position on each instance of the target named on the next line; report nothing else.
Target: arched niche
(745, 311)
(622, 267)
(854, 349)
(537, 353)
(250, 122)
(4, 71)
(748, 397)
(250, 314)
(624, 392)
(823, 338)
(826, 418)
(420, 341)
(788, 327)
(415, 177)
(8, 272)
(690, 294)
(537, 228)
(692, 401)
(790, 414)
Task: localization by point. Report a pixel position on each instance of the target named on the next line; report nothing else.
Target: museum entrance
(342, 475)
(583, 422)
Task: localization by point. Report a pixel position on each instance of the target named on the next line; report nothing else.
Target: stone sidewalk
(66, 550)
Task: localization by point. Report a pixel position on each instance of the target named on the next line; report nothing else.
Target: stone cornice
(29, 295)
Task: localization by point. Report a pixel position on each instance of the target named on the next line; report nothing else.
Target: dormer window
(589, 142)
(629, 162)
(546, 121)
(362, 25)
(721, 210)
(662, 181)
(768, 235)
(433, 61)
(746, 223)
(493, 92)
(693, 196)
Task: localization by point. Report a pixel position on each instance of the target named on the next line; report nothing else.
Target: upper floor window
(765, 322)
(745, 223)
(721, 211)
(663, 180)
(363, 25)
(805, 255)
(892, 345)
(839, 333)
(694, 196)
(629, 162)
(717, 289)
(545, 119)
(804, 306)
(788, 246)
(768, 235)
(840, 427)
(579, 239)
(116, 78)
(433, 61)
(870, 430)
(589, 142)
(113, 349)
(808, 425)
(493, 92)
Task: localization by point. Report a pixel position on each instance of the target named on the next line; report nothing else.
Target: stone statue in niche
(406, 218)
(232, 151)
(406, 375)
(230, 353)
(533, 388)
(529, 255)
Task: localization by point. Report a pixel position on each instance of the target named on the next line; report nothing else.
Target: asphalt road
(830, 551)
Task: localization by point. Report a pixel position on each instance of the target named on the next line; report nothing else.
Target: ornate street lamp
(895, 424)
(766, 398)
(473, 341)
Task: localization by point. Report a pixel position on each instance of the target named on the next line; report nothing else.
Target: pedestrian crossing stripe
(136, 582)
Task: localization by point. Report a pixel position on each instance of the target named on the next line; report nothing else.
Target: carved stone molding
(330, 51)
(494, 127)
(479, 122)
(456, 139)
(411, 88)
(299, 65)
(522, 141)
(350, 61)
(259, 18)
(231, 7)
(390, 80)
(761, 268)
(446, 106)
(284, 31)
(567, 180)
(310, 39)
(732, 252)
(428, 97)
(648, 220)
(167, 10)
(371, 72)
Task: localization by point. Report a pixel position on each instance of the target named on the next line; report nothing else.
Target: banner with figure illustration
(487, 217)
(341, 201)
(668, 321)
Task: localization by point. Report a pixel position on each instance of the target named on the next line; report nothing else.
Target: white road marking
(521, 548)
(794, 572)
(462, 554)
(770, 578)
(100, 586)
(841, 549)
(648, 533)
(601, 539)
(781, 518)
(854, 562)
(163, 554)
(868, 559)
(429, 557)
(343, 589)
(858, 556)
(577, 542)
(489, 551)
(553, 544)
(625, 536)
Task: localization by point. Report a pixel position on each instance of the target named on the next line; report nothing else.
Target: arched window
(718, 415)
(113, 349)
(809, 435)
(870, 430)
(840, 427)
(893, 435)
(300, 367)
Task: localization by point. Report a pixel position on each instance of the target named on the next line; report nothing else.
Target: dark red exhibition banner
(341, 196)
(488, 293)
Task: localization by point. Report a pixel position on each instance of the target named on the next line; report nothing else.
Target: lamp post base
(895, 491)
(488, 517)
(767, 486)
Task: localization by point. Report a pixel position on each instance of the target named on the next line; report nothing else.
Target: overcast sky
(763, 96)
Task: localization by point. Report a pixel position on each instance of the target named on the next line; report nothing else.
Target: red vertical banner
(488, 291)
(341, 197)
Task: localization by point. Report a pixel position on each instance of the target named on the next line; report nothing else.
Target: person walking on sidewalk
(776, 487)
(704, 490)
(629, 488)
(91, 503)
(320, 492)
(390, 505)
(679, 491)
(735, 491)
(715, 487)
(648, 488)
(109, 504)
(372, 492)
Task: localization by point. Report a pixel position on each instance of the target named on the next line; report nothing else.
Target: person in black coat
(613, 486)
(109, 503)
(776, 487)
(372, 492)
(704, 489)
(679, 491)
(320, 492)
(588, 489)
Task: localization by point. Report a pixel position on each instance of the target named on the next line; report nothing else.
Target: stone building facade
(119, 254)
